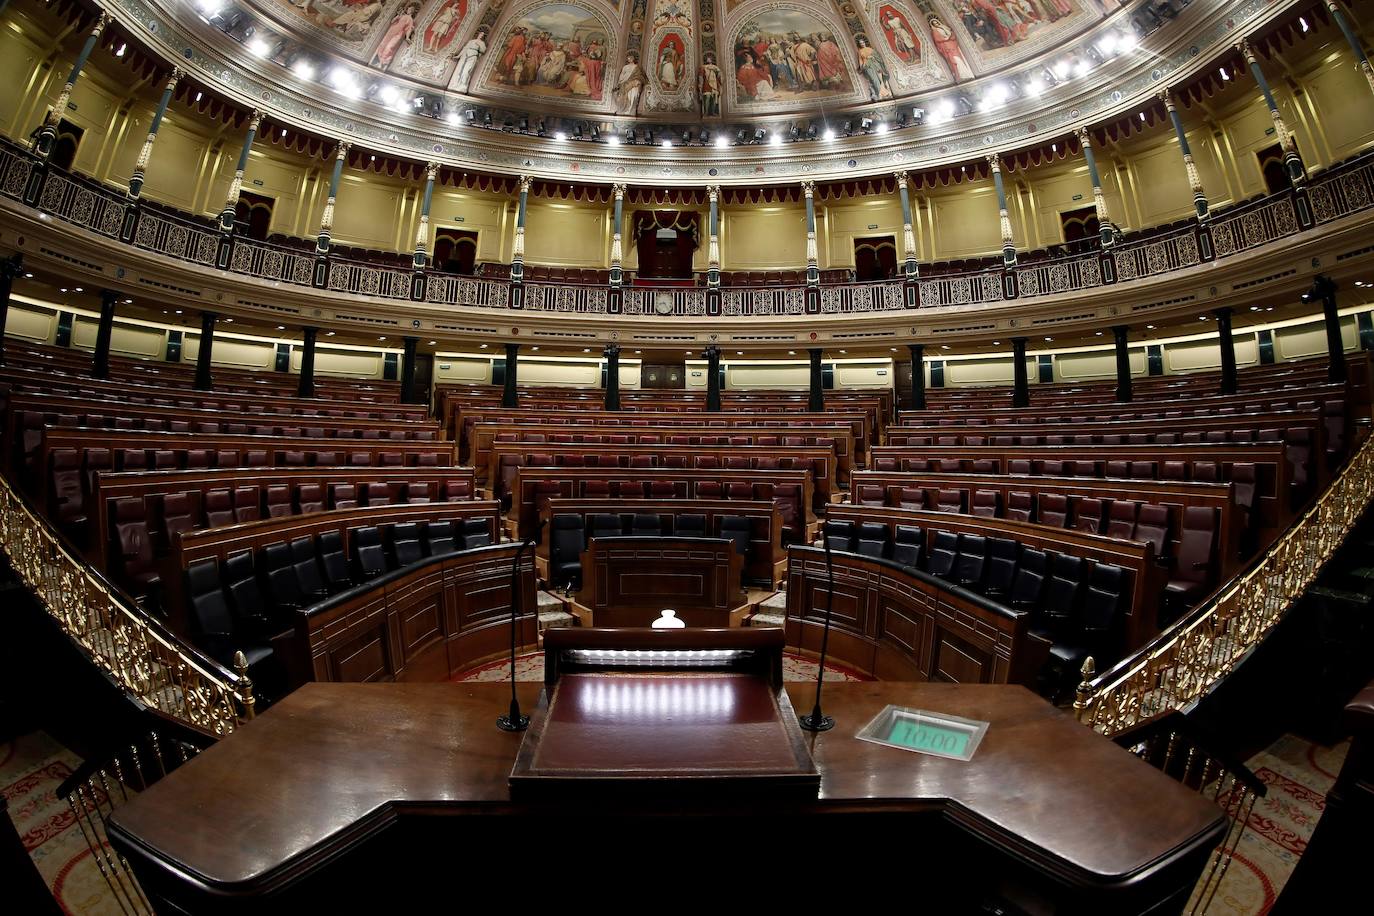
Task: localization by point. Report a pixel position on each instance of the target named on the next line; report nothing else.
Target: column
(146, 153)
(1325, 287)
(713, 243)
(305, 388)
(813, 271)
(1353, 40)
(226, 216)
(712, 356)
(918, 376)
(1194, 181)
(100, 363)
(327, 218)
(909, 265)
(612, 354)
(1228, 350)
(617, 223)
(508, 394)
(204, 382)
(1106, 229)
(815, 401)
(1123, 365)
(47, 133)
(10, 268)
(1020, 390)
(421, 258)
(408, 370)
(517, 259)
(1297, 174)
(1004, 221)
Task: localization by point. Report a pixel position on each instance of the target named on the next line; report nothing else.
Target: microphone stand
(816, 721)
(514, 721)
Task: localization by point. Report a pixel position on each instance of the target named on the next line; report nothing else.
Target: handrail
(1346, 188)
(1192, 656)
(140, 654)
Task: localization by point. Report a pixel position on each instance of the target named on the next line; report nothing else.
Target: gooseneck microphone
(514, 721)
(815, 720)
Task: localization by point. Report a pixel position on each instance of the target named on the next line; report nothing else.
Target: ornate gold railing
(1189, 658)
(142, 656)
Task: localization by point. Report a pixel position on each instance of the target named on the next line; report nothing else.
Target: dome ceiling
(667, 60)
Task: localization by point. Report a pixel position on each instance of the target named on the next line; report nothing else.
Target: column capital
(1084, 137)
(618, 190)
(12, 267)
(255, 120)
(903, 179)
(1224, 312)
(431, 170)
(1164, 96)
(713, 193)
(610, 350)
(174, 77)
(1333, 6)
(525, 182)
(917, 349)
(1247, 51)
(711, 351)
(808, 188)
(341, 149)
(100, 22)
(995, 160)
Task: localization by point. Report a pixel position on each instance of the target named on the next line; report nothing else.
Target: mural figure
(402, 29)
(996, 24)
(555, 50)
(785, 55)
(630, 85)
(443, 28)
(874, 70)
(709, 82)
(355, 19)
(900, 36)
(670, 62)
(467, 61)
(948, 47)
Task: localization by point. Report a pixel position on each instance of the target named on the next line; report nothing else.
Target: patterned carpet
(1298, 775)
(31, 769)
(529, 666)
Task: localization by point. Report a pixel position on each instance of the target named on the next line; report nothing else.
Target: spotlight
(596, 132)
(793, 132)
(559, 136)
(666, 144)
(524, 124)
(541, 129)
(759, 134)
(918, 116)
(612, 140)
(686, 138)
(705, 137)
(847, 128)
(811, 132)
(775, 140)
(722, 141)
(866, 124)
(829, 133)
(881, 127)
(577, 132)
(742, 136)
(630, 135)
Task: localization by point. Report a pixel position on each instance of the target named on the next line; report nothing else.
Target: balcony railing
(1346, 189)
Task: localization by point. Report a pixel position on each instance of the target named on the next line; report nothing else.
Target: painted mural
(349, 22)
(786, 55)
(672, 82)
(995, 33)
(555, 51)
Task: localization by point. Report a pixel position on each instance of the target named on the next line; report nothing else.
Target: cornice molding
(1193, 40)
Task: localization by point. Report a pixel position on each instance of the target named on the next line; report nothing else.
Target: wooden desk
(627, 581)
(345, 792)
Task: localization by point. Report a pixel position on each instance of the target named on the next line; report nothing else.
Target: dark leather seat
(987, 503)
(605, 525)
(179, 515)
(476, 533)
(1195, 561)
(972, 561)
(872, 540)
(405, 544)
(907, 542)
(280, 571)
(690, 526)
(1088, 515)
(646, 524)
(310, 498)
(440, 538)
(1029, 584)
(368, 554)
(343, 496)
(950, 500)
(279, 500)
(250, 608)
(566, 543)
(840, 534)
(1121, 516)
(219, 508)
(134, 546)
(246, 507)
(1152, 527)
(943, 554)
(870, 495)
(305, 562)
(1000, 572)
(337, 574)
(217, 633)
(1052, 509)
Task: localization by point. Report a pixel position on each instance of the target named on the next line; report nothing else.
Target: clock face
(663, 302)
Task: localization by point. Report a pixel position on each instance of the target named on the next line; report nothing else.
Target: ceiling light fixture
(829, 133)
(722, 141)
(304, 69)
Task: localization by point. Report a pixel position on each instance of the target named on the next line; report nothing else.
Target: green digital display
(925, 735)
(924, 732)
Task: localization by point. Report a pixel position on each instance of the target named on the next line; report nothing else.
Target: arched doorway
(875, 258)
(455, 250)
(665, 241)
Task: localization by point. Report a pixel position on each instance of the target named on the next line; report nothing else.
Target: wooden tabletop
(322, 767)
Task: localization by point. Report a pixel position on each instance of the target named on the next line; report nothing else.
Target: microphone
(815, 720)
(514, 721)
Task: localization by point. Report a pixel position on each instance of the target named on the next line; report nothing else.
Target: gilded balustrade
(139, 654)
(1191, 657)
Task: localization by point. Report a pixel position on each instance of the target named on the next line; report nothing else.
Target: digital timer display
(924, 732)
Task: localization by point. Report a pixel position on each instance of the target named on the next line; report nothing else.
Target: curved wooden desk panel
(344, 791)
(898, 624)
(424, 622)
(765, 538)
(572, 485)
(1148, 578)
(627, 581)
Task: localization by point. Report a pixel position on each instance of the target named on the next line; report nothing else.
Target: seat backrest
(343, 496)
(986, 503)
(246, 504)
(690, 526)
(736, 528)
(646, 524)
(368, 552)
(605, 524)
(1000, 572)
(950, 500)
(1088, 514)
(906, 545)
(439, 538)
(1152, 527)
(943, 554)
(280, 570)
(1197, 542)
(210, 615)
(336, 572)
(1063, 589)
(1052, 509)
(1029, 583)
(872, 540)
(870, 495)
(1121, 518)
(973, 556)
(1019, 506)
(840, 534)
(279, 500)
(911, 498)
(476, 533)
(1104, 598)
(178, 515)
(66, 493)
(405, 543)
(241, 580)
(219, 508)
(310, 498)
(305, 562)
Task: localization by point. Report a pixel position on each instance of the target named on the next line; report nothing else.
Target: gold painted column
(421, 257)
(1353, 40)
(146, 153)
(322, 240)
(1106, 229)
(1292, 162)
(231, 200)
(1004, 221)
(47, 133)
(617, 249)
(517, 255)
(1194, 180)
(813, 271)
(910, 266)
(713, 238)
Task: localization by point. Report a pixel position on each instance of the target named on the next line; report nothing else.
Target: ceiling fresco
(684, 59)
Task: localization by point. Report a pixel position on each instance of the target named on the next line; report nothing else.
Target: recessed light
(28, 276)
(1049, 338)
(483, 346)
(433, 342)
(1099, 333)
(381, 338)
(281, 327)
(535, 349)
(791, 352)
(586, 349)
(829, 133)
(328, 333)
(1149, 327)
(62, 289)
(722, 141)
(667, 144)
(80, 290)
(739, 352)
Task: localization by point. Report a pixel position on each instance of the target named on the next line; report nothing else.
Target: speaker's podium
(663, 712)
